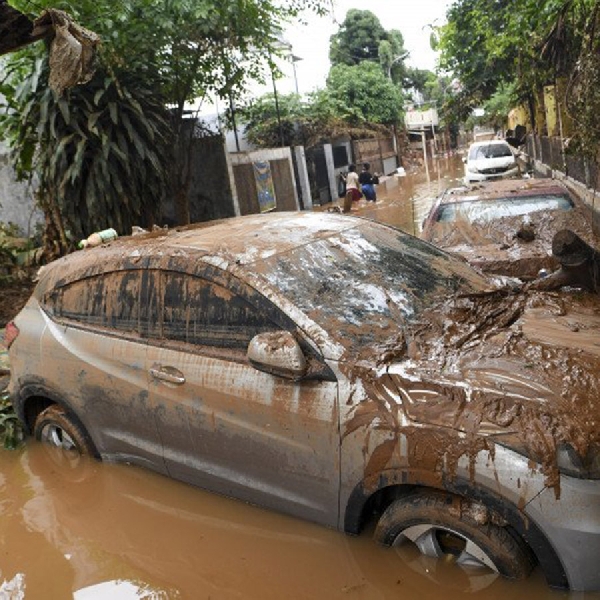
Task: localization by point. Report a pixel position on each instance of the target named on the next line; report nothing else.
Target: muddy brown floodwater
(405, 201)
(117, 532)
(114, 532)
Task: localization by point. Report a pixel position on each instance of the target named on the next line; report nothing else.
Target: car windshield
(362, 284)
(489, 151)
(488, 210)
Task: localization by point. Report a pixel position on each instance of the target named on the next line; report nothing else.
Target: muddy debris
(579, 264)
(473, 369)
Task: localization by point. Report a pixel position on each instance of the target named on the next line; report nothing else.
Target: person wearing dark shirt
(367, 182)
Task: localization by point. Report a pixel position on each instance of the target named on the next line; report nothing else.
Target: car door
(227, 426)
(92, 340)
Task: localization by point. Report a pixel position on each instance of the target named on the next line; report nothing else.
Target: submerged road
(405, 201)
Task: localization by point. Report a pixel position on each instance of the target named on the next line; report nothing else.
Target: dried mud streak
(556, 399)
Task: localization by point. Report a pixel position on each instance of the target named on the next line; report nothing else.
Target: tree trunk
(55, 240)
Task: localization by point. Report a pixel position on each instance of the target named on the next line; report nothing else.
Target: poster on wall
(264, 185)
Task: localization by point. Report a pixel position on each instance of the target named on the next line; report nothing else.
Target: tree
(357, 39)
(98, 153)
(471, 48)
(155, 54)
(360, 97)
(524, 43)
(262, 120)
(364, 93)
(498, 106)
(422, 81)
(391, 56)
(366, 61)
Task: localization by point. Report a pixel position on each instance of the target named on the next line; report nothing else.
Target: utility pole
(424, 140)
(277, 110)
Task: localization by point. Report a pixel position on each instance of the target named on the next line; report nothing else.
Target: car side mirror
(278, 353)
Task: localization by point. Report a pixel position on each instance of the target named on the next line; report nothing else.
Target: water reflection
(108, 531)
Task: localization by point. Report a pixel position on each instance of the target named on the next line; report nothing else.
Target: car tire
(53, 426)
(444, 525)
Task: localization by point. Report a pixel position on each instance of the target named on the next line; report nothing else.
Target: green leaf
(112, 107)
(93, 120)
(98, 96)
(134, 137)
(63, 106)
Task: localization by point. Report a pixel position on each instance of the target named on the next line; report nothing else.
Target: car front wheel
(444, 525)
(55, 427)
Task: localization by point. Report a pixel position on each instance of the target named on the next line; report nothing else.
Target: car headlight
(568, 460)
(472, 169)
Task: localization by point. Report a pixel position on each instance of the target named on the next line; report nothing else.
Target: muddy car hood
(519, 365)
(515, 259)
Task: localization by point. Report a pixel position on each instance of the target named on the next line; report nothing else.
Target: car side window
(202, 312)
(110, 300)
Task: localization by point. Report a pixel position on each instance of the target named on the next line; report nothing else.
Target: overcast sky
(411, 17)
(310, 42)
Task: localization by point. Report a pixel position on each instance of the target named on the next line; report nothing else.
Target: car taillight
(10, 334)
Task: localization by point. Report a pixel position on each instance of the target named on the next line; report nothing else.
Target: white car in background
(492, 159)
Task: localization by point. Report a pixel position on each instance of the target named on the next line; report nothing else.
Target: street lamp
(294, 60)
(283, 45)
(398, 58)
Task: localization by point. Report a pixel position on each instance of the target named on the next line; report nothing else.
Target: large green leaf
(63, 106)
(112, 107)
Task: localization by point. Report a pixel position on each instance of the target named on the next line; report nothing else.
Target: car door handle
(169, 374)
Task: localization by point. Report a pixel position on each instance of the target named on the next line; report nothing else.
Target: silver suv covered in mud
(331, 368)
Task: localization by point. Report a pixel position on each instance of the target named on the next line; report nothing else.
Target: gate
(317, 174)
(281, 175)
(378, 152)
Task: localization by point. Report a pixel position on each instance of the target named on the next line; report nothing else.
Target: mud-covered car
(335, 369)
(506, 227)
(491, 160)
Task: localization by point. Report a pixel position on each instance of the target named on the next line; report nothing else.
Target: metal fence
(553, 152)
(374, 151)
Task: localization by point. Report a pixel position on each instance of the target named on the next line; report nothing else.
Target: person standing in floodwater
(352, 188)
(368, 182)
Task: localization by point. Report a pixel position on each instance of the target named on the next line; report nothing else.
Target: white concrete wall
(17, 204)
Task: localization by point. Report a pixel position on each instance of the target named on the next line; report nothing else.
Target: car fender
(39, 388)
(514, 517)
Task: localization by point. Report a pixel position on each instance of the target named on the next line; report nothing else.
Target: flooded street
(405, 201)
(120, 532)
(92, 531)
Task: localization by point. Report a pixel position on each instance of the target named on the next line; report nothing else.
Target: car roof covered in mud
(349, 275)
(506, 188)
(241, 240)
